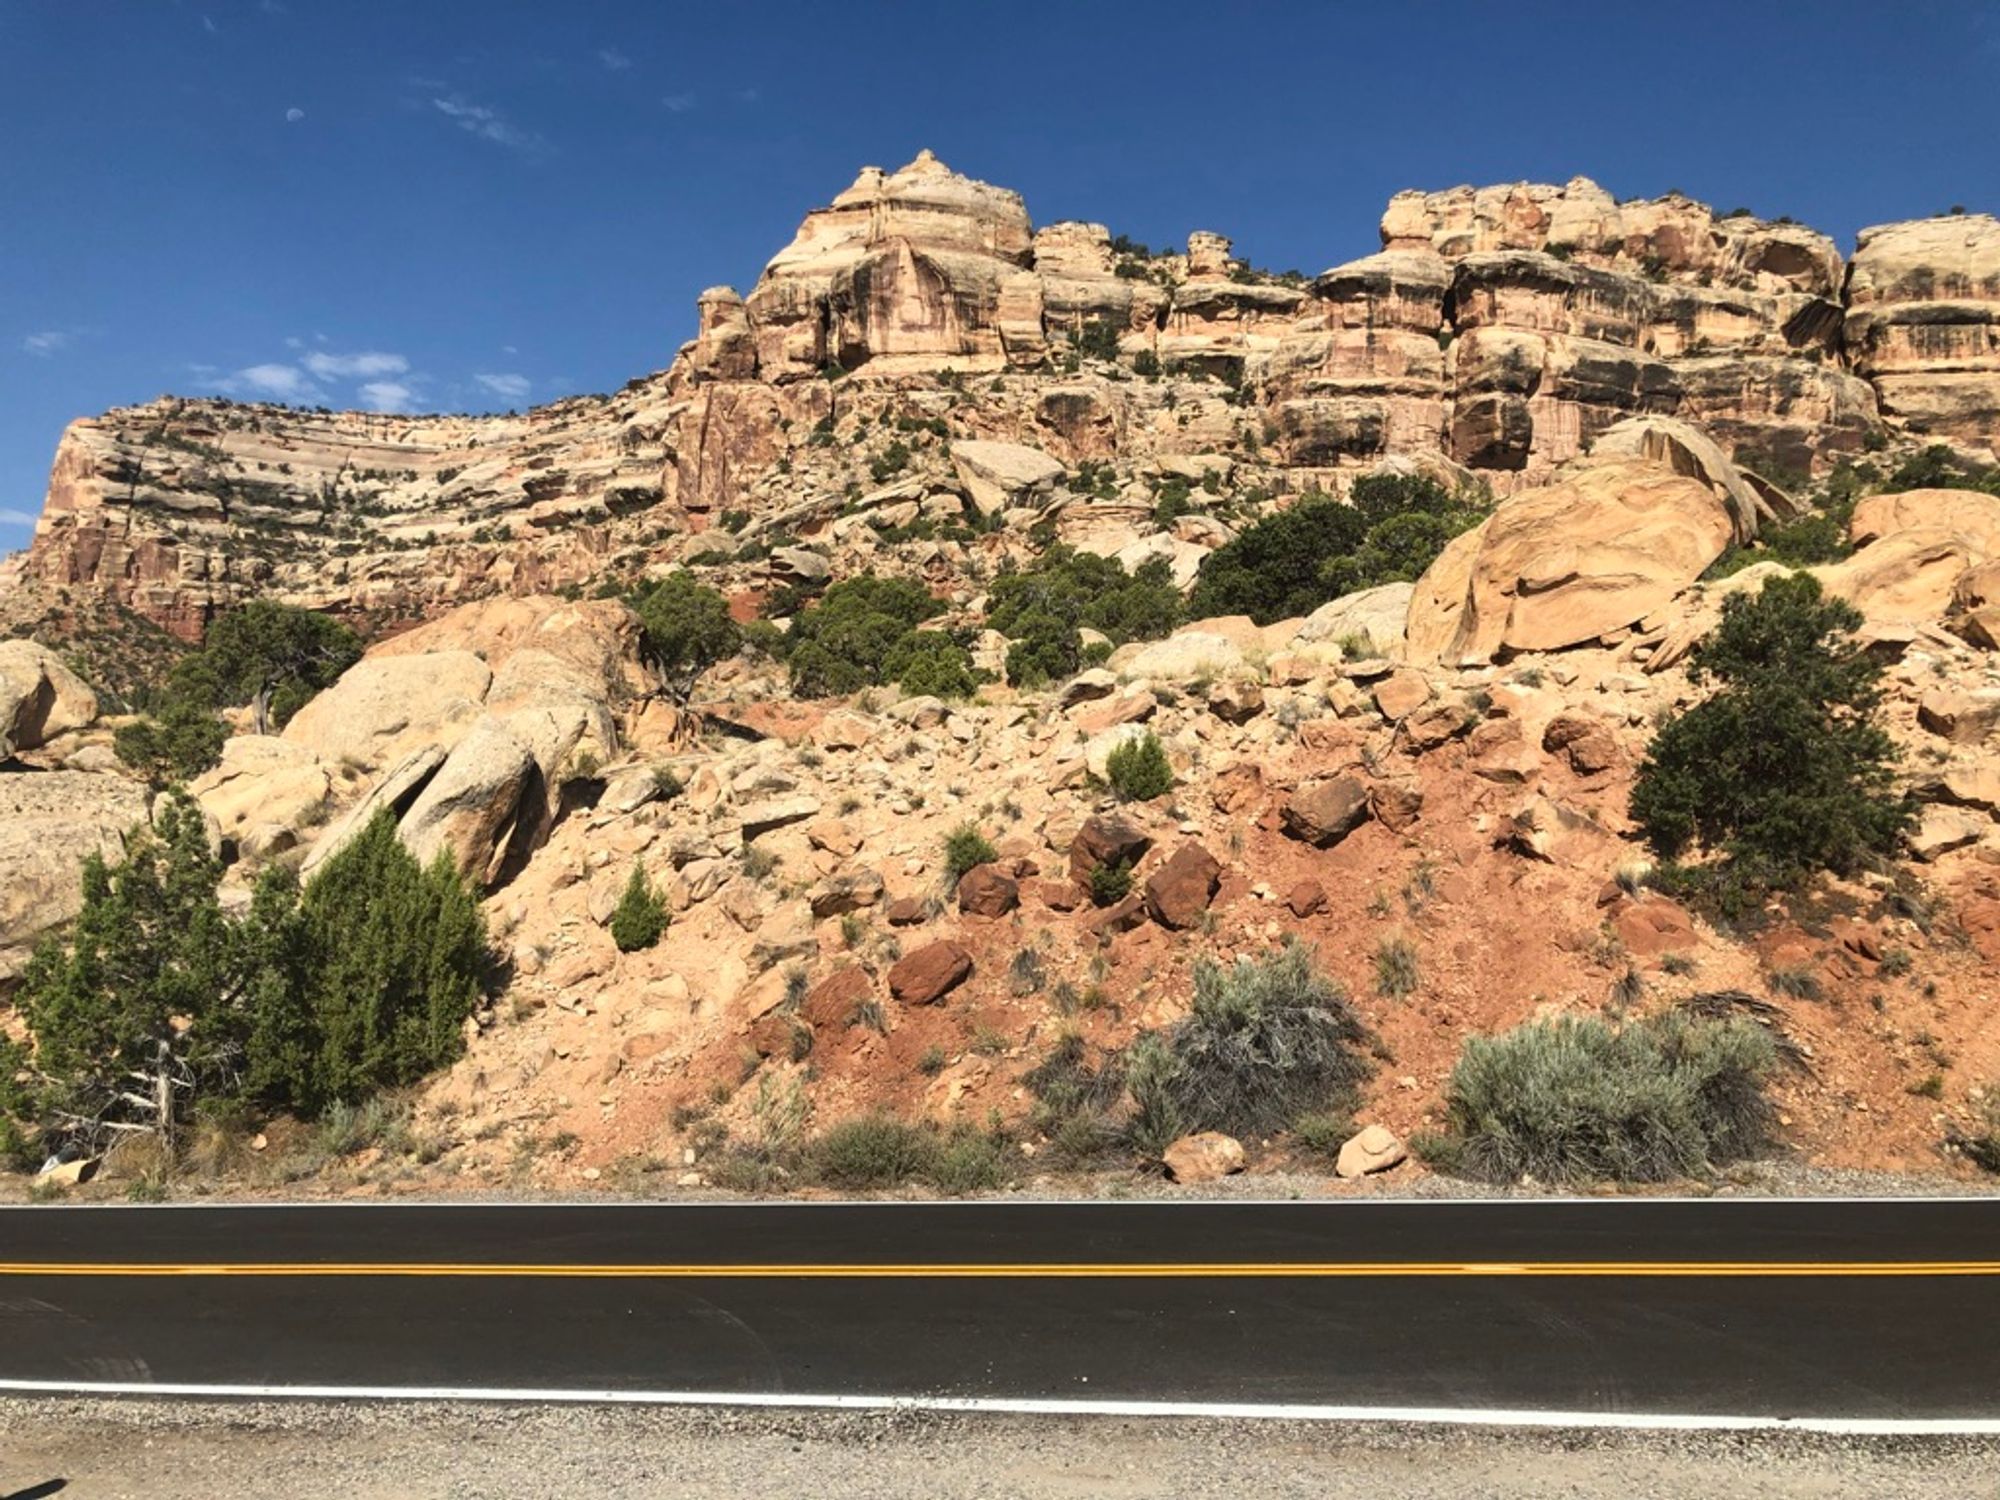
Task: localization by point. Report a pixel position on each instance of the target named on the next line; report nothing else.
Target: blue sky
(483, 204)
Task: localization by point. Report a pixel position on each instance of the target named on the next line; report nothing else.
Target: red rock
(1585, 740)
(1061, 895)
(930, 973)
(831, 1002)
(905, 911)
(987, 891)
(1655, 926)
(1306, 899)
(1122, 917)
(1396, 804)
(1106, 839)
(1323, 813)
(1181, 889)
(1434, 723)
(774, 1036)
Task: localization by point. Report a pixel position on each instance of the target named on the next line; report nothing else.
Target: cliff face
(1495, 335)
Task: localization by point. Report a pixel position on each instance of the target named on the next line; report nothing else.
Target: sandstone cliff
(1494, 336)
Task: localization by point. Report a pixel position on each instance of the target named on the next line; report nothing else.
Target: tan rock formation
(40, 698)
(49, 822)
(1923, 323)
(1609, 543)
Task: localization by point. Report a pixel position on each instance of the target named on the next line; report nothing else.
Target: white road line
(1472, 1416)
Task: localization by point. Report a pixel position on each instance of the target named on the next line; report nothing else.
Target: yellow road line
(1038, 1270)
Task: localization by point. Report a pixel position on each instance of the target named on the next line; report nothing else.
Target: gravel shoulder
(165, 1450)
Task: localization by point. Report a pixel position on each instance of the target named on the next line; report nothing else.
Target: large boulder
(1107, 839)
(930, 973)
(1906, 577)
(393, 792)
(1322, 813)
(1180, 890)
(49, 822)
(1609, 543)
(1003, 476)
(384, 706)
(1376, 615)
(472, 806)
(265, 793)
(40, 698)
(1181, 657)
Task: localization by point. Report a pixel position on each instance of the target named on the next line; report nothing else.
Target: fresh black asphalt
(1841, 1345)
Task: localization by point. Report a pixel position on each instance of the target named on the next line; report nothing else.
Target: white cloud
(680, 104)
(488, 124)
(285, 382)
(11, 517)
(294, 115)
(387, 395)
(749, 96)
(208, 25)
(50, 341)
(355, 366)
(613, 60)
(509, 387)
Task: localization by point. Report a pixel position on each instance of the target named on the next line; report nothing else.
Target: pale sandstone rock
(266, 794)
(1204, 1157)
(383, 706)
(472, 806)
(1374, 1148)
(1611, 542)
(1001, 476)
(49, 822)
(40, 698)
(1181, 657)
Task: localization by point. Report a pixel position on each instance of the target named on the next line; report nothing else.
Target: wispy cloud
(278, 381)
(748, 96)
(294, 115)
(48, 342)
(355, 366)
(613, 60)
(12, 517)
(208, 25)
(508, 387)
(388, 395)
(488, 124)
(680, 104)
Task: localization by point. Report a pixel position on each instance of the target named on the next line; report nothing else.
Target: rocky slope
(1495, 335)
(1439, 769)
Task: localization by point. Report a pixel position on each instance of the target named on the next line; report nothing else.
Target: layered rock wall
(1497, 333)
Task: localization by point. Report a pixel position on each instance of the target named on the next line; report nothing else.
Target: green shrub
(641, 916)
(177, 745)
(846, 641)
(1138, 769)
(1269, 1041)
(1292, 562)
(1575, 1100)
(873, 1151)
(1781, 773)
(389, 959)
(965, 847)
(1042, 607)
(271, 657)
(1111, 882)
(685, 629)
(931, 662)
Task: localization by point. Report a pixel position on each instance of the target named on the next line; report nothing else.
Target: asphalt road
(1842, 1311)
